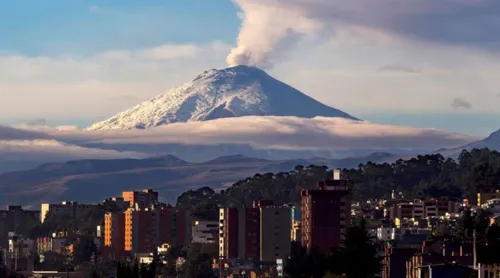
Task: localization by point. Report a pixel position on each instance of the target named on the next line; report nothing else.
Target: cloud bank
(274, 133)
(298, 137)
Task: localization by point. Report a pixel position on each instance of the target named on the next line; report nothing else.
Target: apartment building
(140, 199)
(14, 218)
(51, 244)
(423, 209)
(258, 234)
(484, 197)
(65, 208)
(144, 230)
(296, 231)
(325, 213)
(205, 231)
(275, 224)
(114, 232)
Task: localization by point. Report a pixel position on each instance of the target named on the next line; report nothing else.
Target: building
(144, 230)
(21, 253)
(239, 233)
(117, 202)
(67, 209)
(114, 232)
(275, 225)
(446, 270)
(205, 231)
(325, 213)
(258, 234)
(20, 247)
(423, 209)
(296, 231)
(14, 218)
(140, 199)
(384, 233)
(493, 205)
(51, 244)
(483, 197)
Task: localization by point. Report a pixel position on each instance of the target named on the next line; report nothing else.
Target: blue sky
(84, 27)
(423, 64)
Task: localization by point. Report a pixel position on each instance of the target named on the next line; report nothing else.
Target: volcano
(231, 92)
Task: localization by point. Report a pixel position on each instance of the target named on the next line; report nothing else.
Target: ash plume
(270, 28)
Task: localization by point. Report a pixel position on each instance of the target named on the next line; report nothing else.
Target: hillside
(95, 180)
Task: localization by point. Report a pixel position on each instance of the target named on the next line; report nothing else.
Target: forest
(430, 175)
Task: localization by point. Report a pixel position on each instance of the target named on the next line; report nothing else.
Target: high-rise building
(114, 232)
(296, 231)
(239, 233)
(141, 199)
(275, 226)
(144, 230)
(205, 231)
(261, 233)
(325, 213)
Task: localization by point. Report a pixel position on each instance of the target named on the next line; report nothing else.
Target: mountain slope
(491, 142)
(91, 181)
(232, 92)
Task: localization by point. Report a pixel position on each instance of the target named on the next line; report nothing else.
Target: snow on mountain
(231, 92)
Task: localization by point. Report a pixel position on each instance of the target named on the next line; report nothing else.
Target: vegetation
(357, 257)
(470, 223)
(423, 176)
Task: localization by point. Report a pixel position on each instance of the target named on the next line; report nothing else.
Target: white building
(205, 231)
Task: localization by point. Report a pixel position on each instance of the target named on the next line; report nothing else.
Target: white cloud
(45, 150)
(276, 133)
(57, 87)
(289, 136)
(169, 51)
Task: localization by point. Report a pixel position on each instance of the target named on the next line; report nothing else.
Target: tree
(358, 254)
(199, 266)
(305, 263)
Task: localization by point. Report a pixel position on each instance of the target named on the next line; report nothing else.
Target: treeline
(429, 175)
(358, 256)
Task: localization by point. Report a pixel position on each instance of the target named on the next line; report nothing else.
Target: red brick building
(325, 213)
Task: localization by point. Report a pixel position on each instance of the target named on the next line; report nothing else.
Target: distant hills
(95, 180)
(491, 142)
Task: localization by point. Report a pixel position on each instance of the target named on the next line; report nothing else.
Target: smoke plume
(270, 28)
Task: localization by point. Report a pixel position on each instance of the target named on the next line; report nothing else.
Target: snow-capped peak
(231, 92)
